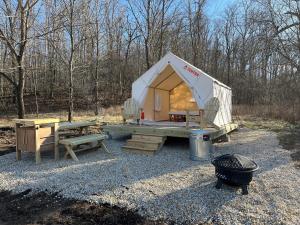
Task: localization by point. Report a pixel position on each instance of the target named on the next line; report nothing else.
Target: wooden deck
(166, 131)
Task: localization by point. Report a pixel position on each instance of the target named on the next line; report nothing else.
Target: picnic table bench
(72, 144)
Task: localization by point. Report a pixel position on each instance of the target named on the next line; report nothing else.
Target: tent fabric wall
(202, 86)
(224, 96)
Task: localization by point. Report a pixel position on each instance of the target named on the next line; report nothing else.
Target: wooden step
(143, 144)
(147, 151)
(154, 135)
(147, 137)
(140, 148)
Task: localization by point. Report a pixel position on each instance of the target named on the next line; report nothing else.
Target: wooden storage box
(29, 140)
(36, 135)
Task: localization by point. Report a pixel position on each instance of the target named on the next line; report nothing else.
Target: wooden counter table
(36, 135)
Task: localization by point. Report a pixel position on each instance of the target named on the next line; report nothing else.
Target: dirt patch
(289, 139)
(7, 140)
(43, 208)
(288, 134)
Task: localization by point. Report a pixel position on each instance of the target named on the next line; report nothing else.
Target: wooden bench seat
(72, 144)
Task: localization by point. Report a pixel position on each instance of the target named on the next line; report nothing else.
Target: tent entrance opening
(168, 98)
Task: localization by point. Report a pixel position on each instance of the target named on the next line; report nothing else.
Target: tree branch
(287, 27)
(9, 79)
(9, 45)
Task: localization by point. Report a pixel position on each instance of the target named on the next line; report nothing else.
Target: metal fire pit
(235, 170)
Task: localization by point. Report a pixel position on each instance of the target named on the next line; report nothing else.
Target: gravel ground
(169, 185)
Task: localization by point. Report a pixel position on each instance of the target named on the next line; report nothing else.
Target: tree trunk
(35, 94)
(97, 86)
(51, 95)
(20, 92)
(71, 104)
(96, 72)
(147, 54)
(228, 70)
(148, 34)
(161, 30)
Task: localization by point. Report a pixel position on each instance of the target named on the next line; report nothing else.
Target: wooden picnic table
(36, 135)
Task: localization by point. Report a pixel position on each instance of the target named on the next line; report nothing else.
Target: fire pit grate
(235, 161)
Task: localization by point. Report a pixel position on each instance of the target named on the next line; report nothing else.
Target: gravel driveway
(169, 185)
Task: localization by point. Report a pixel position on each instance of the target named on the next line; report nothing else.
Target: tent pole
(169, 104)
(154, 104)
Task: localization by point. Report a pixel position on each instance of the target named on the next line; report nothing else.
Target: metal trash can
(200, 145)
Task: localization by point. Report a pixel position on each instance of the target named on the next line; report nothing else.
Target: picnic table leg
(37, 145)
(18, 151)
(66, 154)
(86, 130)
(104, 147)
(71, 152)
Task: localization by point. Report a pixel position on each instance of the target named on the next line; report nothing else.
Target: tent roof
(167, 80)
(201, 72)
(165, 62)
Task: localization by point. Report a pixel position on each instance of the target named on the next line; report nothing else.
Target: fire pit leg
(244, 190)
(219, 184)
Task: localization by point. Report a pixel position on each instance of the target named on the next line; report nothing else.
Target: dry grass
(109, 115)
(255, 123)
(277, 112)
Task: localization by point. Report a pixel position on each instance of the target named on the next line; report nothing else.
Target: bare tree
(15, 35)
(72, 26)
(153, 19)
(229, 38)
(197, 30)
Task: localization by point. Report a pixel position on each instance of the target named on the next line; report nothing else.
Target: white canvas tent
(173, 84)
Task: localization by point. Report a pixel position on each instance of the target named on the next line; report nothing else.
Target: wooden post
(56, 139)
(139, 119)
(37, 145)
(18, 151)
(123, 115)
(187, 118)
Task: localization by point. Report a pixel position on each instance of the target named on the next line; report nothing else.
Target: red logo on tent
(193, 72)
